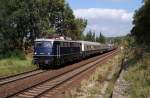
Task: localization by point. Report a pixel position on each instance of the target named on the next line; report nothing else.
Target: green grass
(138, 75)
(12, 66)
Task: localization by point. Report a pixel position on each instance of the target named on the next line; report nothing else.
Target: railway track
(6, 77)
(48, 80)
(17, 77)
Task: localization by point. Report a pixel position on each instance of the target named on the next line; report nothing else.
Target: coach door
(58, 51)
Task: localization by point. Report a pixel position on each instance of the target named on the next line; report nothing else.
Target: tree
(101, 38)
(90, 36)
(21, 21)
(71, 26)
(81, 23)
(142, 24)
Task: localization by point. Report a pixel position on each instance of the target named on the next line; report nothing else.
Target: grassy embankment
(138, 76)
(101, 83)
(15, 64)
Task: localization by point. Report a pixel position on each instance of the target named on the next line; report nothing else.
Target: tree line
(22, 21)
(91, 36)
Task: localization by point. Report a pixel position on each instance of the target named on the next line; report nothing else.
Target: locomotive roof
(55, 40)
(83, 42)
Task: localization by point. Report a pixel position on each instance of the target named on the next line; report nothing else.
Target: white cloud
(112, 22)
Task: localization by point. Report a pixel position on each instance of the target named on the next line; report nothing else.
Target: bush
(18, 54)
(139, 78)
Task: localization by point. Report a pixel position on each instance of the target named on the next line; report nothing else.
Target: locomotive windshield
(43, 45)
(43, 48)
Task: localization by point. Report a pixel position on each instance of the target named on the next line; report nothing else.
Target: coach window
(78, 45)
(61, 44)
(68, 44)
(65, 44)
(85, 47)
(90, 47)
(74, 45)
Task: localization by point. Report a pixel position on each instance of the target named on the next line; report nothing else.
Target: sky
(111, 17)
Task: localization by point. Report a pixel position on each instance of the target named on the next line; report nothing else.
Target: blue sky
(130, 5)
(111, 17)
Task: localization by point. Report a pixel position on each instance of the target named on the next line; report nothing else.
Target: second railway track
(37, 86)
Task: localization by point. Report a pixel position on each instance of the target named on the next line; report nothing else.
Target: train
(51, 53)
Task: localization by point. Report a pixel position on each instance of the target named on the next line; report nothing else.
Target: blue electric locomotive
(53, 52)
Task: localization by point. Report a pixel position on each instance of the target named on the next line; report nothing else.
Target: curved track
(46, 86)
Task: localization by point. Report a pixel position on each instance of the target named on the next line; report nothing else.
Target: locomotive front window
(43, 44)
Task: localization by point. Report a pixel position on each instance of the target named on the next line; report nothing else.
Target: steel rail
(20, 76)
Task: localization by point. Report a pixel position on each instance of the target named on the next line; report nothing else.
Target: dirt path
(120, 87)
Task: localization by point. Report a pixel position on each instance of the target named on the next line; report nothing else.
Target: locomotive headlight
(35, 53)
(48, 53)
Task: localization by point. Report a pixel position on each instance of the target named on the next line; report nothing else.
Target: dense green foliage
(21, 21)
(141, 29)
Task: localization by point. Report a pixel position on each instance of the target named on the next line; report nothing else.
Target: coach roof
(55, 40)
(89, 43)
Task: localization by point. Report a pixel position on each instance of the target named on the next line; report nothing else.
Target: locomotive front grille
(43, 60)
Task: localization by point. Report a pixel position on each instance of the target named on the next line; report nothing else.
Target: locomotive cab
(43, 52)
